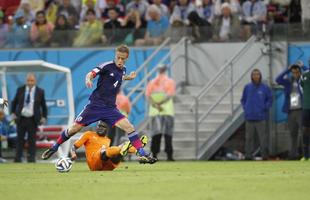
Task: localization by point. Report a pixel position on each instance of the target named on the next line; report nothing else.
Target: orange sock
(132, 150)
(112, 151)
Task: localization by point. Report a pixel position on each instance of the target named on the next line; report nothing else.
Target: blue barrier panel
(279, 116)
(80, 61)
(299, 52)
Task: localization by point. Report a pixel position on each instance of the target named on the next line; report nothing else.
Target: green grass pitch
(163, 180)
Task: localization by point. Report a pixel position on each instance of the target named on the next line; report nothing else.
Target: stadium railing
(229, 76)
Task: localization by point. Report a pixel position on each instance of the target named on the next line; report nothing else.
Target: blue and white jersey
(108, 85)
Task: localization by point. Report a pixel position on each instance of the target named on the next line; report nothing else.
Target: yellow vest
(168, 108)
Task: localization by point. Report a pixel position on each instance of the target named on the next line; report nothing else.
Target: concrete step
(213, 91)
(192, 90)
(189, 129)
(191, 125)
(217, 87)
(204, 106)
(211, 98)
(186, 142)
(215, 115)
(191, 120)
(190, 134)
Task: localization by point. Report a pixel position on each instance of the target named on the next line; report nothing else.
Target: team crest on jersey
(111, 74)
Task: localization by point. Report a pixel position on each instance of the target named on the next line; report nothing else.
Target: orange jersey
(93, 145)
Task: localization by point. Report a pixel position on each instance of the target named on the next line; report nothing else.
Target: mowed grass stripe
(163, 180)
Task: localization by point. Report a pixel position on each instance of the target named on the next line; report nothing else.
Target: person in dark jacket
(113, 28)
(63, 33)
(29, 110)
(256, 101)
(290, 80)
(68, 10)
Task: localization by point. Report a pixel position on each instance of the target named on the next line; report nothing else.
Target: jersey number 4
(115, 84)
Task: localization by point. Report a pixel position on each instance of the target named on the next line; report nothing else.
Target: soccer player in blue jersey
(102, 106)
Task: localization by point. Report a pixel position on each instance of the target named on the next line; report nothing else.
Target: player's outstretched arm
(131, 76)
(89, 79)
(77, 144)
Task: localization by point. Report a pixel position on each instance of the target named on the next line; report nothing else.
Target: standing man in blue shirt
(102, 106)
(290, 80)
(256, 101)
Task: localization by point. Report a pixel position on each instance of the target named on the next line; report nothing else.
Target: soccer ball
(63, 165)
(2, 103)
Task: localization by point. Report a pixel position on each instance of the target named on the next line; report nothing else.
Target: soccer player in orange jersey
(99, 154)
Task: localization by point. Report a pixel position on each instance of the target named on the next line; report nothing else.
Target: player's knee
(126, 126)
(129, 128)
(74, 129)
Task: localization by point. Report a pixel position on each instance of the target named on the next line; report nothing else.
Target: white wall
(210, 57)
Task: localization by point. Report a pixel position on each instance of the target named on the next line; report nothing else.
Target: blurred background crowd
(84, 23)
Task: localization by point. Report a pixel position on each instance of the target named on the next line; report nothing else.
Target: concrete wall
(206, 59)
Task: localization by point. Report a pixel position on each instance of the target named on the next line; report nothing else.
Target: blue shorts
(93, 113)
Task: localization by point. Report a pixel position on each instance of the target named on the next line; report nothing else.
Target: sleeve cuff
(94, 73)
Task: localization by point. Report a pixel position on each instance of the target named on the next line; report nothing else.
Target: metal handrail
(153, 70)
(227, 91)
(146, 62)
(134, 101)
(211, 83)
(212, 139)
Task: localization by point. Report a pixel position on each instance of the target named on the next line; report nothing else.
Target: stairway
(184, 121)
(219, 111)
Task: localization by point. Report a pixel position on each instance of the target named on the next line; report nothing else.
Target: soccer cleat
(147, 159)
(144, 139)
(48, 153)
(125, 147)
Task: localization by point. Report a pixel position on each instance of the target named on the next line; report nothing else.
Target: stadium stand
(199, 24)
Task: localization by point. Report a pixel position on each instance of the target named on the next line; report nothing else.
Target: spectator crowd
(82, 23)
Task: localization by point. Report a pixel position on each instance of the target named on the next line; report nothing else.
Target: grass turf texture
(163, 180)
